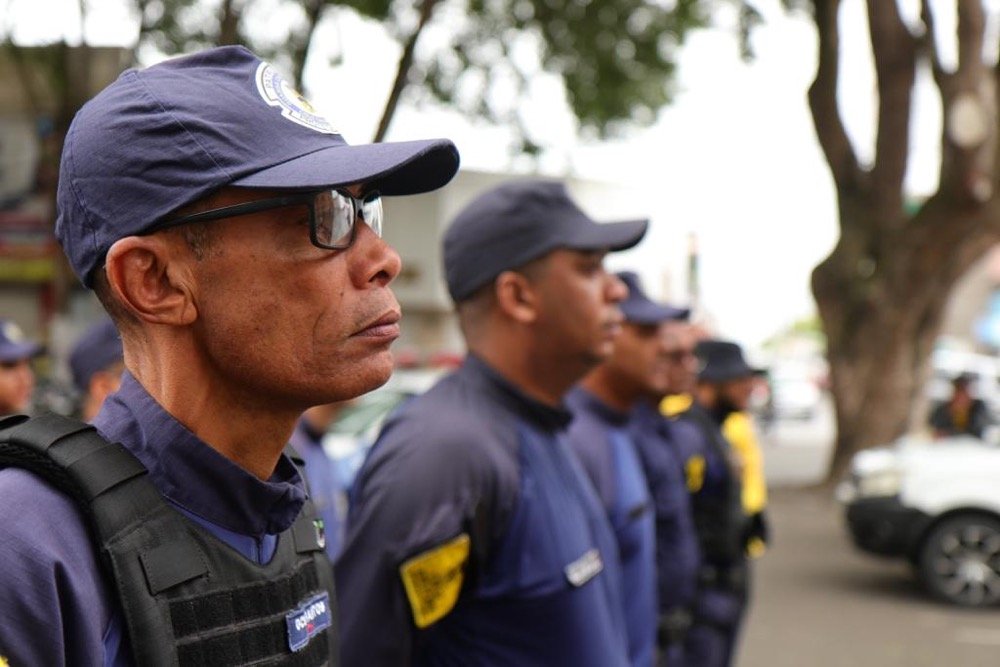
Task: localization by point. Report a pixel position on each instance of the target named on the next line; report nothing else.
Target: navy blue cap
(640, 309)
(519, 221)
(722, 360)
(13, 344)
(97, 349)
(159, 138)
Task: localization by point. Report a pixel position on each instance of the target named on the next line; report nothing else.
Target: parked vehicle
(937, 504)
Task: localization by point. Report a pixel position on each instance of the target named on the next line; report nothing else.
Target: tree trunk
(882, 292)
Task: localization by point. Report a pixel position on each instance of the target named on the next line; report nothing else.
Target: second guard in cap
(474, 537)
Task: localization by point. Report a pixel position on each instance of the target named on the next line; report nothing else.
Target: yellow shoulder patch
(675, 404)
(694, 471)
(434, 579)
(3, 662)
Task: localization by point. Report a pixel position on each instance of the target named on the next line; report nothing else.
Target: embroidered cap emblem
(13, 333)
(277, 92)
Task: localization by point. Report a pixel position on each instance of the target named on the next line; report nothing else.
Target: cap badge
(12, 333)
(277, 92)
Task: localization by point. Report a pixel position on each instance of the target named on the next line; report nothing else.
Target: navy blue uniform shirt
(474, 538)
(608, 453)
(659, 442)
(55, 608)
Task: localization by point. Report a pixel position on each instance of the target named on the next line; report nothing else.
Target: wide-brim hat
(162, 137)
(722, 360)
(520, 221)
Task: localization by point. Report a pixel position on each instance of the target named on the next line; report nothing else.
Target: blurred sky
(734, 160)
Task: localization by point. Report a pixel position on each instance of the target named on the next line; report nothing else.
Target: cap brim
(400, 168)
(20, 351)
(726, 374)
(652, 313)
(612, 236)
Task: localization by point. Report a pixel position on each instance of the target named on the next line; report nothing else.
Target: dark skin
(545, 329)
(637, 368)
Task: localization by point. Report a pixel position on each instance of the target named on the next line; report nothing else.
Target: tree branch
(969, 110)
(894, 50)
(229, 20)
(823, 100)
(929, 43)
(403, 70)
(300, 49)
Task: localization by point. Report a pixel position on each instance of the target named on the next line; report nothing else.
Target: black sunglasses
(332, 214)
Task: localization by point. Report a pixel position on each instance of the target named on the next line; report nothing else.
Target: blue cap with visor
(160, 138)
(640, 309)
(98, 349)
(520, 221)
(14, 346)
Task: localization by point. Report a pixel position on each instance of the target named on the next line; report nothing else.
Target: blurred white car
(796, 390)
(936, 503)
(352, 434)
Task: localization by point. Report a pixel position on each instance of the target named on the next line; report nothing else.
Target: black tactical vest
(719, 519)
(186, 597)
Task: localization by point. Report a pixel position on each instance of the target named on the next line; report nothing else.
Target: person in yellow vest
(738, 428)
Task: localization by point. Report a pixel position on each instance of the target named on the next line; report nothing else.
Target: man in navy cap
(17, 379)
(234, 238)
(713, 476)
(625, 446)
(474, 537)
(96, 363)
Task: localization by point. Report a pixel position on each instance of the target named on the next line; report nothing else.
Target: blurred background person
(17, 379)
(623, 444)
(325, 488)
(473, 535)
(96, 363)
(962, 413)
(712, 471)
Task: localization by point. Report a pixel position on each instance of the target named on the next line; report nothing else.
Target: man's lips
(386, 326)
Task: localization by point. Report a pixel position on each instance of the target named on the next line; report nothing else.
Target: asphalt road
(818, 602)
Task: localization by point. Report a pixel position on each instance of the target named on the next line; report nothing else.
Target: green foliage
(616, 58)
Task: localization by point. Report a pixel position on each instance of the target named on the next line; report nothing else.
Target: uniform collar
(193, 475)
(542, 415)
(578, 396)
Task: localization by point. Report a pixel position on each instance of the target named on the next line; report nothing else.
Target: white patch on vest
(308, 620)
(277, 92)
(584, 568)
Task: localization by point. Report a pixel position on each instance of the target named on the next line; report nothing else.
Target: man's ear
(150, 276)
(517, 297)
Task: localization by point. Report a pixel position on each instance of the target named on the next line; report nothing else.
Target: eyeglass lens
(336, 212)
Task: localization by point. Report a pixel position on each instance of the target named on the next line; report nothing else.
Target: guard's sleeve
(54, 608)
(739, 431)
(424, 509)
